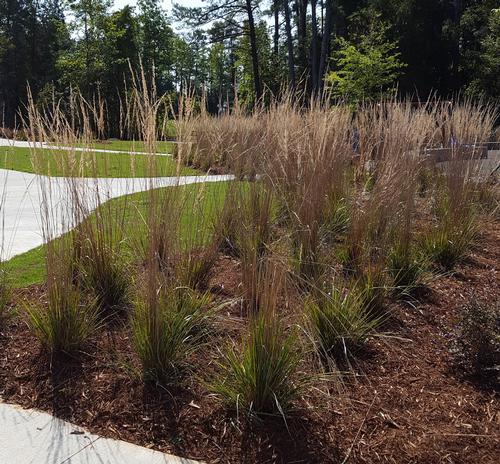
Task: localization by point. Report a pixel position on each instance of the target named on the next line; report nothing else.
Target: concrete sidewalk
(28, 436)
(23, 196)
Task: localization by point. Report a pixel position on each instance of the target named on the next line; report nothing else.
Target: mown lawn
(197, 204)
(128, 145)
(87, 164)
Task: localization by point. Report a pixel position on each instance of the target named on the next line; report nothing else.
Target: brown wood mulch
(405, 404)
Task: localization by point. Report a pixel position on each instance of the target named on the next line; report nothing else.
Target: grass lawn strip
(87, 164)
(29, 268)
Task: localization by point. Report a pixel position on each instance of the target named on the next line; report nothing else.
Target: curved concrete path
(23, 195)
(28, 436)
(47, 146)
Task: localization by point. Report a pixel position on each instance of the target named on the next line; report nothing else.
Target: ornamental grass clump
(168, 325)
(196, 241)
(260, 378)
(406, 267)
(66, 323)
(463, 129)
(101, 265)
(371, 287)
(5, 293)
(448, 242)
(226, 224)
(454, 231)
(97, 237)
(254, 210)
(340, 323)
(306, 161)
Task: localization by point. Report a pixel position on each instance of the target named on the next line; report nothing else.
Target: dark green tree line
(248, 48)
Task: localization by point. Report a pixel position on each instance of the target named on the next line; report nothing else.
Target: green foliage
(190, 66)
(448, 47)
(244, 62)
(155, 40)
(488, 66)
(366, 68)
(477, 346)
(83, 65)
(167, 326)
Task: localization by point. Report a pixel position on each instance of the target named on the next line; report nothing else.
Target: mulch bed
(404, 404)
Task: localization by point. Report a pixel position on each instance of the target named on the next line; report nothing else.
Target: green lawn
(198, 205)
(128, 145)
(87, 164)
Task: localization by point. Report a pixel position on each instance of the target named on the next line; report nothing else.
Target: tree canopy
(248, 48)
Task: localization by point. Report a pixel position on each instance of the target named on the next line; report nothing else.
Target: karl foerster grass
(261, 378)
(168, 325)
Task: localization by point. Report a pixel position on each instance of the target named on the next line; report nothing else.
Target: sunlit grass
(29, 268)
(87, 164)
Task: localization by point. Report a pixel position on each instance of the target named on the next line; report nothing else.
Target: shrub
(368, 66)
(167, 326)
(67, 322)
(477, 346)
(339, 322)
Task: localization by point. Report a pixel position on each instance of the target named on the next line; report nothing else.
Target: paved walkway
(24, 144)
(33, 437)
(22, 198)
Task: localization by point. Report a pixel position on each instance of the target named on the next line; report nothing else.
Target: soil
(403, 402)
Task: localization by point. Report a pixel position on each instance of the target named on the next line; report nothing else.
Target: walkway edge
(29, 436)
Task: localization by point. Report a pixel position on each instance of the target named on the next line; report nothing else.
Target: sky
(167, 4)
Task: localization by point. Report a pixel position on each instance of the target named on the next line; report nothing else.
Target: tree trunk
(276, 12)
(87, 53)
(457, 14)
(289, 42)
(314, 48)
(325, 42)
(302, 36)
(254, 51)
